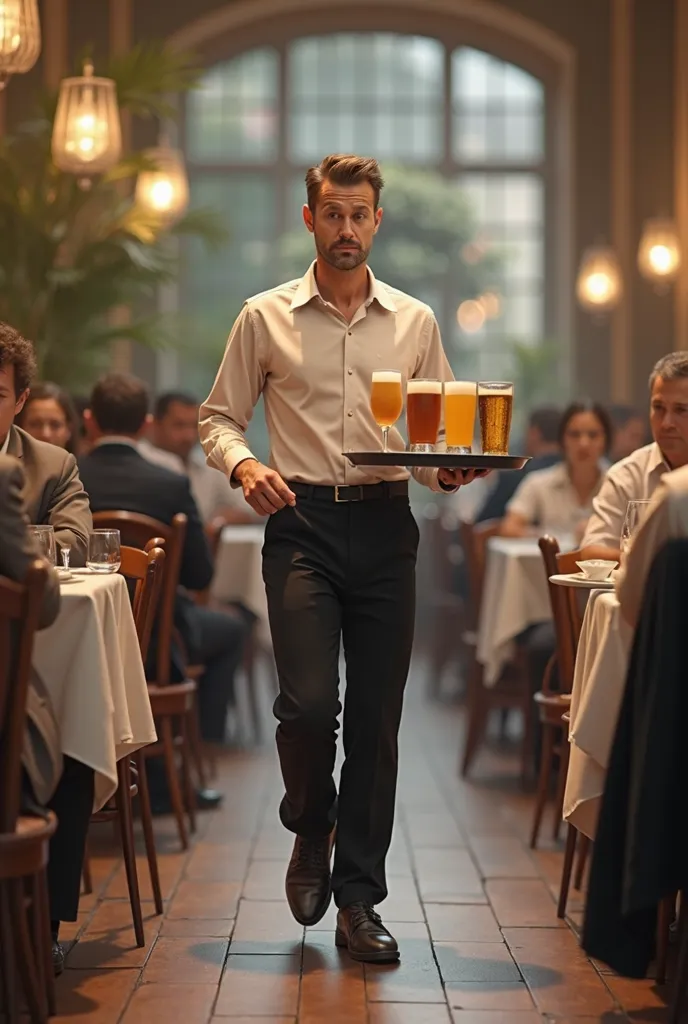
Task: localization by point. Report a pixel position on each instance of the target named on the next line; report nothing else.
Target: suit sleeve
(196, 570)
(69, 512)
(17, 550)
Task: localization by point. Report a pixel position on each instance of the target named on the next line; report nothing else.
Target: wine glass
(45, 539)
(635, 513)
(104, 554)
(386, 401)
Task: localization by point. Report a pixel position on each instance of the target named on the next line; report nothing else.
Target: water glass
(45, 539)
(635, 513)
(104, 554)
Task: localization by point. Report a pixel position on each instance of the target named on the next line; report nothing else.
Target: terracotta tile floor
(472, 908)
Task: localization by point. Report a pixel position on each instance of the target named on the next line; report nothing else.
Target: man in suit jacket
(71, 795)
(116, 476)
(53, 494)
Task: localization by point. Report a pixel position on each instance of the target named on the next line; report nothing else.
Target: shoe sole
(340, 942)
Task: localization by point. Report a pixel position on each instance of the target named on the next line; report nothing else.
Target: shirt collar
(657, 460)
(6, 444)
(307, 289)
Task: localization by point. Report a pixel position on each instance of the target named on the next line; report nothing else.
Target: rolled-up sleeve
(226, 413)
(433, 364)
(608, 513)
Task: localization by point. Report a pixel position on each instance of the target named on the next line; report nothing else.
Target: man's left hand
(459, 477)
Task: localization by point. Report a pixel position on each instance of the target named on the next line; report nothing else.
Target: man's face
(10, 405)
(669, 419)
(344, 224)
(177, 431)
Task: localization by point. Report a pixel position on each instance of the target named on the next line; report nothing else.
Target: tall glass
(423, 413)
(495, 405)
(45, 539)
(635, 514)
(386, 401)
(104, 553)
(460, 399)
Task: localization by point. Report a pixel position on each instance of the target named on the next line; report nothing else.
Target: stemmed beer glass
(386, 401)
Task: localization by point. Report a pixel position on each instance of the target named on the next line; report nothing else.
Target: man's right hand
(264, 489)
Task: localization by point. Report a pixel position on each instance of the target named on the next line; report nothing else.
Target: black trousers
(219, 640)
(72, 802)
(342, 573)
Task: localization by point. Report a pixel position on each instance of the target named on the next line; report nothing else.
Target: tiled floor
(472, 908)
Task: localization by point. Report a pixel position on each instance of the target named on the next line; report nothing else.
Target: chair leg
(563, 770)
(38, 939)
(8, 959)
(583, 849)
(477, 719)
(46, 942)
(148, 834)
(681, 979)
(173, 779)
(125, 819)
(34, 993)
(546, 760)
(86, 873)
(187, 782)
(527, 748)
(665, 916)
(569, 854)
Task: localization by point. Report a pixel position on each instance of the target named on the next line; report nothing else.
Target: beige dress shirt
(667, 519)
(633, 479)
(314, 370)
(547, 499)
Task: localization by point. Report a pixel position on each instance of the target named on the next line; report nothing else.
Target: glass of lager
(460, 399)
(386, 401)
(423, 413)
(495, 401)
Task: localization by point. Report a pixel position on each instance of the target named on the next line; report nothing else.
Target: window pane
(232, 116)
(497, 108)
(378, 93)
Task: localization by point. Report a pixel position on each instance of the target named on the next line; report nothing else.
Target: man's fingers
(287, 496)
(269, 493)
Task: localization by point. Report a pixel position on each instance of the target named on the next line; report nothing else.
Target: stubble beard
(341, 260)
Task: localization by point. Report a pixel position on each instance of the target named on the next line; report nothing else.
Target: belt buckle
(341, 487)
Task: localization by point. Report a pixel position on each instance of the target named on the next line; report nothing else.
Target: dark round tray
(438, 459)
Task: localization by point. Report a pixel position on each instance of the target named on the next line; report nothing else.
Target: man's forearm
(609, 554)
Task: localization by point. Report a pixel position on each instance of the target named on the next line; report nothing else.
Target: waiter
(340, 545)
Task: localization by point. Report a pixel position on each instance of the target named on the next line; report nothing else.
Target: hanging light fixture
(599, 283)
(659, 252)
(87, 135)
(20, 37)
(164, 189)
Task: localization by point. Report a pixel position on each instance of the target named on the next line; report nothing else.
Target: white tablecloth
(90, 663)
(239, 573)
(515, 596)
(598, 686)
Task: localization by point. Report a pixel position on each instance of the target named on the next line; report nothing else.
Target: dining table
(238, 574)
(599, 679)
(90, 663)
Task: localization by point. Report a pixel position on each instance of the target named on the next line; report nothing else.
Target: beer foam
(498, 388)
(424, 387)
(460, 387)
(386, 377)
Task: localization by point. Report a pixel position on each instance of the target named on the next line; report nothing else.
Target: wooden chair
(25, 941)
(173, 704)
(146, 570)
(512, 689)
(551, 704)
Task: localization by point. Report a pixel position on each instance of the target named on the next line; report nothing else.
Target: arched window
(475, 121)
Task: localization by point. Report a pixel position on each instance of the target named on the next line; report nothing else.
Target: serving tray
(441, 460)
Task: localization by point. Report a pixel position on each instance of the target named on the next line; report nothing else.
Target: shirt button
(349, 371)
(350, 333)
(350, 412)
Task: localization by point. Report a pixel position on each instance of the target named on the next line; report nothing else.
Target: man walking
(340, 546)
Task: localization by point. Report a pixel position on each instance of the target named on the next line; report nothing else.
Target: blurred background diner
(152, 162)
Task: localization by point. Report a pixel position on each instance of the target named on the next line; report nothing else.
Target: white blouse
(547, 499)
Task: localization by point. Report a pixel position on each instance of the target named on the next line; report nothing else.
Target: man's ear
(308, 218)
(21, 401)
(378, 219)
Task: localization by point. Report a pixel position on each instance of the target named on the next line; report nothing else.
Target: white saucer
(578, 580)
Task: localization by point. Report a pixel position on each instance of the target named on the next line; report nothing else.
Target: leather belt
(345, 493)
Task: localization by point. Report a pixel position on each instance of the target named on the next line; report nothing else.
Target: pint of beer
(386, 400)
(460, 398)
(423, 413)
(495, 401)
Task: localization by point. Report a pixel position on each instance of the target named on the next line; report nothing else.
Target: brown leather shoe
(361, 931)
(309, 883)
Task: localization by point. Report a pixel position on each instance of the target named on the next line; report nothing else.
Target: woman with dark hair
(559, 500)
(49, 415)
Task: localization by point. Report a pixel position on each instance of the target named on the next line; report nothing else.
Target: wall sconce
(87, 135)
(164, 189)
(20, 37)
(659, 252)
(599, 283)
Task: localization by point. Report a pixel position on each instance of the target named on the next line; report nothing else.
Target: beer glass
(495, 402)
(635, 514)
(45, 539)
(104, 554)
(386, 401)
(423, 413)
(460, 399)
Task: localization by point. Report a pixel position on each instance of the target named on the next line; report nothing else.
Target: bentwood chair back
(564, 609)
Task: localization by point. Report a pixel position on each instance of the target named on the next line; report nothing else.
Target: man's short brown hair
(344, 169)
(119, 404)
(17, 352)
